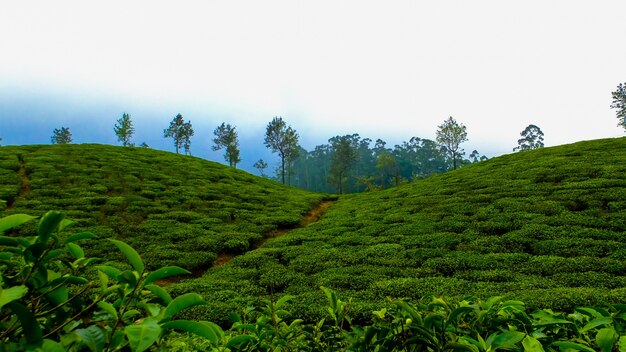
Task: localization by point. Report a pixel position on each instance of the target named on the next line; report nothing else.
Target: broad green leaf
(108, 307)
(531, 344)
(566, 345)
(15, 220)
(80, 236)
(133, 257)
(457, 312)
(203, 329)
(284, 299)
(75, 250)
(597, 322)
(11, 294)
(128, 277)
(52, 346)
(165, 272)
(508, 339)
(93, 337)
(110, 271)
(142, 336)
(182, 302)
(58, 296)
(461, 347)
(622, 344)
(48, 224)
(69, 279)
(240, 341)
(8, 241)
(590, 312)
(30, 326)
(159, 292)
(547, 318)
(34, 251)
(65, 223)
(605, 339)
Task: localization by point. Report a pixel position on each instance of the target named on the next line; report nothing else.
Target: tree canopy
(226, 137)
(124, 130)
(345, 154)
(181, 132)
(61, 136)
(619, 104)
(282, 139)
(450, 135)
(532, 138)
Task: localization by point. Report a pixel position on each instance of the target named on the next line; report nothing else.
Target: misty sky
(383, 69)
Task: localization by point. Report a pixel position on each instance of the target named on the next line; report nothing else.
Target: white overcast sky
(384, 69)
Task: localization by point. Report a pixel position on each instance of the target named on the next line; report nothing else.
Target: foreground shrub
(48, 303)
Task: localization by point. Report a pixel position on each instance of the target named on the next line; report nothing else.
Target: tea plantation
(174, 209)
(547, 227)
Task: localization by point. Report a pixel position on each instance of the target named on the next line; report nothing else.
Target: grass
(176, 210)
(547, 227)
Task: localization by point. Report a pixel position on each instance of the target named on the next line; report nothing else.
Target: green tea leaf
(142, 336)
(92, 337)
(203, 329)
(605, 339)
(597, 322)
(566, 345)
(531, 344)
(75, 250)
(30, 326)
(15, 220)
(159, 292)
(8, 241)
(622, 344)
(108, 307)
(52, 346)
(182, 302)
(508, 340)
(80, 236)
(133, 257)
(110, 271)
(11, 294)
(240, 341)
(165, 272)
(48, 224)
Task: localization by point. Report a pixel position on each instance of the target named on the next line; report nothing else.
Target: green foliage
(619, 103)
(532, 138)
(282, 139)
(181, 132)
(174, 210)
(48, 302)
(450, 135)
(61, 136)
(226, 137)
(124, 130)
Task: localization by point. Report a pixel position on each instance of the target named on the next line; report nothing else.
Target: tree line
(348, 163)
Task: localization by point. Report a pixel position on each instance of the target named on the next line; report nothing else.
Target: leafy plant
(50, 302)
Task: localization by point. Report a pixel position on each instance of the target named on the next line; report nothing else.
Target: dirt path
(312, 216)
(24, 185)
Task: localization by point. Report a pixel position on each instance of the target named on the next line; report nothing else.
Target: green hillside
(173, 209)
(544, 226)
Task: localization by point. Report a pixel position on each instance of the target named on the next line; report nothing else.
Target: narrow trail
(312, 216)
(24, 185)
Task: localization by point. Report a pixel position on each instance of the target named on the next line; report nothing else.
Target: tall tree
(124, 130)
(282, 139)
(386, 163)
(345, 154)
(226, 137)
(450, 135)
(61, 136)
(181, 132)
(532, 138)
(261, 166)
(619, 103)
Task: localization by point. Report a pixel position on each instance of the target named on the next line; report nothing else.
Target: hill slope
(173, 209)
(546, 226)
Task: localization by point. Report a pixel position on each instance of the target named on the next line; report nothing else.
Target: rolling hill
(546, 226)
(174, 209)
